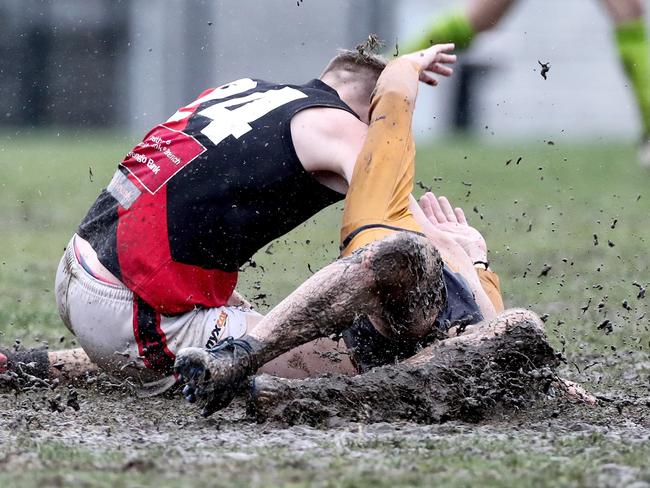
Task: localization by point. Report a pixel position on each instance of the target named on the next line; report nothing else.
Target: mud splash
(464, 380)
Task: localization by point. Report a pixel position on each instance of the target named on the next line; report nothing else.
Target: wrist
(410, 60)
(478, 256)
(482, 264)
(477, 251)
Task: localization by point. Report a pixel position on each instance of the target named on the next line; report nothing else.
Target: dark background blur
(128, 64)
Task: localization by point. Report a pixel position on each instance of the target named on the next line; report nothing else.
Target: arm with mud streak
(382, 178)
(377, 202)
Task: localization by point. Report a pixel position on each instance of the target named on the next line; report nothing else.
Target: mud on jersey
(204, 191)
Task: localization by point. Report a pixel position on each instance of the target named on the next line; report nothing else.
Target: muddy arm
(503, 364)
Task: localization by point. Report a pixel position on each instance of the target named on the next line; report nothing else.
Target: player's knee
(519, 315)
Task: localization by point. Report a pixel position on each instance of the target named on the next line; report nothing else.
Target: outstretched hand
(452, 221)
(433, 60)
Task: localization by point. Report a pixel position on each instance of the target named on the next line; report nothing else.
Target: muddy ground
(102, 435)
(576, 256)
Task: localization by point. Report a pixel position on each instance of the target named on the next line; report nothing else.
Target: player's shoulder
(325, 138)
(328, 122)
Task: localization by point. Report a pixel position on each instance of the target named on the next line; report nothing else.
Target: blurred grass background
(579, 208)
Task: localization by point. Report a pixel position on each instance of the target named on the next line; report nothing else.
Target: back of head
(357, 71)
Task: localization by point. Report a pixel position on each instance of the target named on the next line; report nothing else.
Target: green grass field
(544, 211)
(582, 209)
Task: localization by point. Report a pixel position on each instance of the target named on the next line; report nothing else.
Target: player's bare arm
(328, 141)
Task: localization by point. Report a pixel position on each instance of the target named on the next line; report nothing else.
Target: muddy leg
(478, 331)
(506, 363)
(397, 279)
(315, 358)
(37, 367)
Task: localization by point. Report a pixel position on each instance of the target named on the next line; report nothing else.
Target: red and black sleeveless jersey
(205, 190)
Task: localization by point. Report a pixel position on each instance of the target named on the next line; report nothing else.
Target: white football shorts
(126, 337)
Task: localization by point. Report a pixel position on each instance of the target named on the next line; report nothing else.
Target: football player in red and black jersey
(153, 266)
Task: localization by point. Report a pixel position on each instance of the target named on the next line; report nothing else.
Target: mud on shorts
(125, 336)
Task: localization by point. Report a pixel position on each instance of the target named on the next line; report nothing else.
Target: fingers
(439, 54)
(460, 215)
(441, 69)
(577, 391)
(437, 65)
(428, 79)
(443, 48)
(435, 208)
(439, 210)
(433, 60)
(446, 58)
(447, 210)
(425, 205)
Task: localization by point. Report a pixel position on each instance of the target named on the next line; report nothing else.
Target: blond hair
(356, 61)
(360, 67)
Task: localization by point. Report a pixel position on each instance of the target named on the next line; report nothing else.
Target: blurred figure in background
(630, 36)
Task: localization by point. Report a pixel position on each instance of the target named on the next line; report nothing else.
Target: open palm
(453, 222)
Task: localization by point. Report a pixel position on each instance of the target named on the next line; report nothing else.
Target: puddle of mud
(166, 433)
(119, 421)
